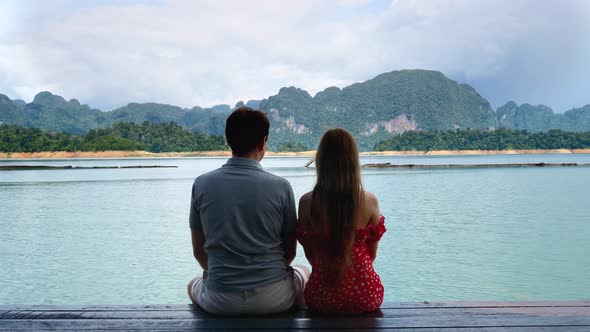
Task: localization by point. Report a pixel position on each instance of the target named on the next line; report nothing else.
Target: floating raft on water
(390, 165)
(44, 167)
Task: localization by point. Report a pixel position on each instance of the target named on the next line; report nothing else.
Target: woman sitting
(339, 228)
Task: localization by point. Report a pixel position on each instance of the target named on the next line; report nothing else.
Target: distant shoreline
(145, 154)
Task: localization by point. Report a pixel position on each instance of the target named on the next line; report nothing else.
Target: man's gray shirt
(245, 214)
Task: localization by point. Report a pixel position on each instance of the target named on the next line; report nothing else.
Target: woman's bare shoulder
(306, 198)
(305, 206)
(372, 207)
(370, 199)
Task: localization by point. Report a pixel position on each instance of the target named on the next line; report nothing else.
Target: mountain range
(373, 110)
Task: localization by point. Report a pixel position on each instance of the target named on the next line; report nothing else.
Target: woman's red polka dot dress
(361, 289)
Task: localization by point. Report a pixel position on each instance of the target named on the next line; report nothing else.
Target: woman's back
(339, 228)
(359, 289)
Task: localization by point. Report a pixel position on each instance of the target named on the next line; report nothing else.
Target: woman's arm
(375, 217)
(304, 217)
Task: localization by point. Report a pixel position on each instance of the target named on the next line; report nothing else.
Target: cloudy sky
(192, 52)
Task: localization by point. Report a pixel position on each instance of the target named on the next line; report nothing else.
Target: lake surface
(121, 236)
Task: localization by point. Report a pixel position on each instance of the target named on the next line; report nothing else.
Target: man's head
(246, 132)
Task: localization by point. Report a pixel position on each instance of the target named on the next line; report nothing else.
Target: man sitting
(242, 223)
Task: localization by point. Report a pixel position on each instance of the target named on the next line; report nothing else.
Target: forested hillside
(373, 111)
(169, 137)
(542, 118)
(163, 137)
(500, 139)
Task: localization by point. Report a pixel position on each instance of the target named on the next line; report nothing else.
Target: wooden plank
(417, 313)
(484, 304)
(572, 315)
(387, 305)
(484, 329)
(492, 329)
(45, 307)
(245, 323)
(426, 318)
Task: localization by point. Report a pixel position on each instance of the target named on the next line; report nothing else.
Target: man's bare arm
(198, 239)
(289, 226)
(290, 247)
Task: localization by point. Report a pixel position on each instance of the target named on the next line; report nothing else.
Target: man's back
(243, 229)
(245, 214)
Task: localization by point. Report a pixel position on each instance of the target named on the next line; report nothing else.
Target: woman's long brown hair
(336, 198)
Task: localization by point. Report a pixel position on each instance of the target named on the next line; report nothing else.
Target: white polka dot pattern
(360, 290)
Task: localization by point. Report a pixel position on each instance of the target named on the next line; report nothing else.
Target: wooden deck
(463, 316)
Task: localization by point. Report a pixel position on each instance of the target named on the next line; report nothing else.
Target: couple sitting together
(245, 228)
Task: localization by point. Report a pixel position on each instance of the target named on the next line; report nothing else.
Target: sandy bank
(145, 154)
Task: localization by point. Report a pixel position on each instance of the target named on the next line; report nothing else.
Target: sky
(193, 52)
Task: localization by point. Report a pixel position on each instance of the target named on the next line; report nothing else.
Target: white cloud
(207, 52)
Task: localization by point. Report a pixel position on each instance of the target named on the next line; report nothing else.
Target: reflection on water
(121, 236)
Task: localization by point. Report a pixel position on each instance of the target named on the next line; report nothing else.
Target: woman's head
(337, 160)
(337, 196)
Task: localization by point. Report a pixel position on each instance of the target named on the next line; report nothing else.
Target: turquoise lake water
(121, 236)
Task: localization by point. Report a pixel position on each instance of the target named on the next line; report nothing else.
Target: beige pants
(276, 297)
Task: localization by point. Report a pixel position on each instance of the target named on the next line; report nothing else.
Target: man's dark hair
(245, 128)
